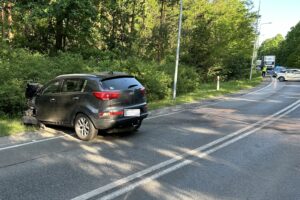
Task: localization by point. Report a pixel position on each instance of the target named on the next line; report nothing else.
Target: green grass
(207, 91)
(10, 126)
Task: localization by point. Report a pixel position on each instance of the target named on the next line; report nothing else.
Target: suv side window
(52, 88)
(73, 85)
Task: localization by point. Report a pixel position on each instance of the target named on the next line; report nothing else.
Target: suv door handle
(75, 98)
(52, 100)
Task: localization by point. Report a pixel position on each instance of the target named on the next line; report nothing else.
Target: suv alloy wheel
(84, 128)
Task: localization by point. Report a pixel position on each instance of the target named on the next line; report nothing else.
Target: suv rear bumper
(122, 122)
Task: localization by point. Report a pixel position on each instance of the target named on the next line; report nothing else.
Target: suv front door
(46, 102)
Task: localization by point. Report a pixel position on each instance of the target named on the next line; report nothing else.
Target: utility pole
(255, 41)
(177, 52)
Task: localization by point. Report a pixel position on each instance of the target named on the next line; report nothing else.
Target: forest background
(41, 39)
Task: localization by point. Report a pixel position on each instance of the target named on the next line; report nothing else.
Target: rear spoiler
(116, 76)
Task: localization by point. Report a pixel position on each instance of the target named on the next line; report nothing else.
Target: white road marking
(189, 161)
(171, 113)
(256, 91)
(193, 152)
(32, 142)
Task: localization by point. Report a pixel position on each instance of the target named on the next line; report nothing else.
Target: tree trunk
(65, 34)
(59, 34)
(9, 21)
(132, 23)
(3, 20)
(113, 33)
(160, 52)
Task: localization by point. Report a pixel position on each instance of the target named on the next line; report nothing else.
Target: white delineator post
(218, 82)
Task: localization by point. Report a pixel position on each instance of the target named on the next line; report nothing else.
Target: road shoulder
(48, 132)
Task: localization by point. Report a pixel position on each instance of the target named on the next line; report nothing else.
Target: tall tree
(56, 25)
(3, 20)
(289, 53)
(6, 20)
(219, 36)
(271, 46)
(9, 20)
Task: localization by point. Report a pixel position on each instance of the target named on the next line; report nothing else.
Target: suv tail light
(107, 95)
(143, 91)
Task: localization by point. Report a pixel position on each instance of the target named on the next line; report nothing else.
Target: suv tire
(281, 79)
(85, 128)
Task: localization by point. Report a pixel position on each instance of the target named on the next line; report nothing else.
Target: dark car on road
(91, 102)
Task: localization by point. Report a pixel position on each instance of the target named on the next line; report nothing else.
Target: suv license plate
(132, 112)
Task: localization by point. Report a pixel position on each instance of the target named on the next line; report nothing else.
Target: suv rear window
(120, 83)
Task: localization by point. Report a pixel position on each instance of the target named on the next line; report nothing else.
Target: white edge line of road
(182, 110)
(57, 137)
(132, 186)
(139, 174)
(32, 142)
(269, 85)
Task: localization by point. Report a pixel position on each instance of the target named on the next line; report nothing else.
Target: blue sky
(283, 14)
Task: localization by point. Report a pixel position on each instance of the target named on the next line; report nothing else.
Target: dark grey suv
(88, 102)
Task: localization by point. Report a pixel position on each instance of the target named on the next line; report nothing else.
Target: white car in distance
(289, 75)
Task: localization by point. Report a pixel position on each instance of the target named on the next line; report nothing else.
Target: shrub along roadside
(9, 126)
(20, 66)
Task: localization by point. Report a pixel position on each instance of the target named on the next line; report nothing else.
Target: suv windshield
(120, 83)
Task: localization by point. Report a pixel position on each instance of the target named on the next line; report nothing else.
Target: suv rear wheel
(84, 128)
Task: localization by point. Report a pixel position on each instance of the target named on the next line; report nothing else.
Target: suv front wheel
(84, 128)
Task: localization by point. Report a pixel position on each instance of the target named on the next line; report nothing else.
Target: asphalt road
(239, 147)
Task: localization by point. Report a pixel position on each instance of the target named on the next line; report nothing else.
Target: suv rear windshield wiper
(131, 86)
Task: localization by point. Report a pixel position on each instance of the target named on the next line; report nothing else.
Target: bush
(20, 66)
(156, 82)
(188, 79)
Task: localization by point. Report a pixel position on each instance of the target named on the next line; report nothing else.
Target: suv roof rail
(74, 75)
(105, 74)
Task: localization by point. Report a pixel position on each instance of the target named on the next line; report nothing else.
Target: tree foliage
(271, 46)
(49, 37)
(214, 32)
(289, 53)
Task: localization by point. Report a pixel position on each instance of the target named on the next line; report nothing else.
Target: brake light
(143, 91)
(107, 95)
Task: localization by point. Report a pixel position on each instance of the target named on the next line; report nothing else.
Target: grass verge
(13, 126)
(207, 91)
(10, 126)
